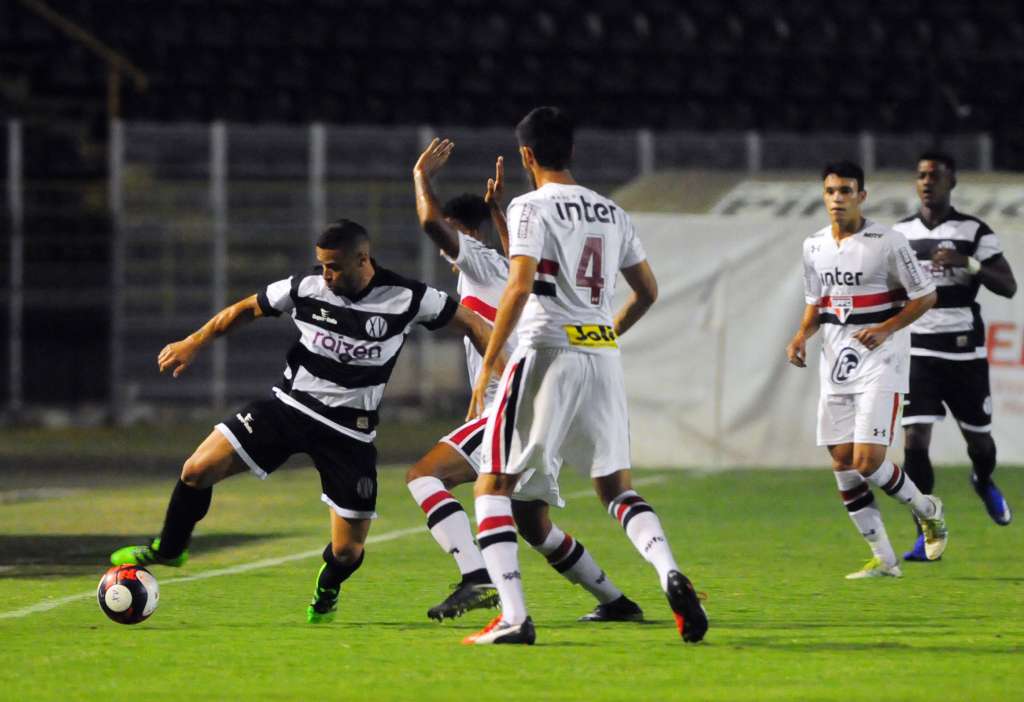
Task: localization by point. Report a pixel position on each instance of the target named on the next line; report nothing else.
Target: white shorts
(556, 405)
(468, 440)
(868, 417)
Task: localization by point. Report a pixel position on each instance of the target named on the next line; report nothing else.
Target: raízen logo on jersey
(845, 366)
(346, 350)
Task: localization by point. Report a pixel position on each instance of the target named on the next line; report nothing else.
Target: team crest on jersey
(845, 366)
(841, 307)
(946, 244)
(376, 326)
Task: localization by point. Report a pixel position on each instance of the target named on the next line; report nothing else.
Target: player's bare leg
(496, 534)
(342, 558)
(644, 529)
(573, 561)
(429, 482)
(214, 460)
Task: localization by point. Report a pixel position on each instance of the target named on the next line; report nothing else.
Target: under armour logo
(879, 432)
(815, 248)
(246, 421)
(455, 549)
(514, 575)
(601, 578)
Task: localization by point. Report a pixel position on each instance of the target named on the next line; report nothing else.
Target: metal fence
(205, 214)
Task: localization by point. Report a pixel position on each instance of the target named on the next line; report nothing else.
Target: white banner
(706, 373)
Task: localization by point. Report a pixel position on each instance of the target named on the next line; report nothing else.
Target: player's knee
(980, 446)
(198, 473)
(866, 464)
(917, 437)
(346, 554)
(418, 470)
(534, 534)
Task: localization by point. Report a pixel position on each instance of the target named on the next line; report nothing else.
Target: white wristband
(973, 265)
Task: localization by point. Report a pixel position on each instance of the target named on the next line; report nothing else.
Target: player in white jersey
(863, 287)
(455, 459)
(562, 394)
(948, 361)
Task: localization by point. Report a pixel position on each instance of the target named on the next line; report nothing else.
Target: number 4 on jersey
(591, 260)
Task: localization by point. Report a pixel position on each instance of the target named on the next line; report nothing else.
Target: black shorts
(960, 385)
(267, 432)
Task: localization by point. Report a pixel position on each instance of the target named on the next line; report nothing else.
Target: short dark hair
(548, 131)
(844, 169)
(342, 234)
(468, 209)
(939, 157)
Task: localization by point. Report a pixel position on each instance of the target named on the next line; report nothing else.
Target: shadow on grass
(33, 556)
(840, 646)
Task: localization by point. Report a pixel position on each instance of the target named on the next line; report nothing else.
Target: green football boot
(146, 555)
(325, 602)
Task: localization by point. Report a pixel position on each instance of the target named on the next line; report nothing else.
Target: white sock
(898, 484)
(860, 505)
(448, 523)
(571, 558)
(496, 534)
(644, 529)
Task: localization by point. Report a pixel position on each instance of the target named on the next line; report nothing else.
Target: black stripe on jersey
(862, 318)
(546, 289)
(266, 308)
(352, 322)
(924, 248)
(347, 375)
(955, 296)
(449, 310)
(443, 512)
(363, 421)
(949, 342)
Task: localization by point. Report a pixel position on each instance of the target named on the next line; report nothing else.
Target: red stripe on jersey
(869, 300)
(546, 266)
(488, 523)
(480, 307)
(468, 430)
(433, 500)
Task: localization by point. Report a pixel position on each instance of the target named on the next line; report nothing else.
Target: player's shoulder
(307, 284)
(907, 223)
(817, 236)
(963, 218)
(385, 278)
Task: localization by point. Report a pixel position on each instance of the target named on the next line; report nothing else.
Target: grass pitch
(770, 548)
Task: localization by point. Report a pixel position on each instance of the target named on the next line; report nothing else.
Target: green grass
(770, 548)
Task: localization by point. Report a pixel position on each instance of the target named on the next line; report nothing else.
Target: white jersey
(858, 283)
(953, 329)
(580, 240)
(483, 274)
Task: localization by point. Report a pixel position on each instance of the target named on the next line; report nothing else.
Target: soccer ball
(128, 594)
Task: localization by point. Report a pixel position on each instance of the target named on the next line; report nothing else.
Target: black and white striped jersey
(347, 347)
(953, 328)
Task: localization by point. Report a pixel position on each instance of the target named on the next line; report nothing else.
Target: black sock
(336, 572)
(918, 466)
(187, 506)
(984, 462)
(477, 577)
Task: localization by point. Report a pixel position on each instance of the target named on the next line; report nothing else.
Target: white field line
(47, 605)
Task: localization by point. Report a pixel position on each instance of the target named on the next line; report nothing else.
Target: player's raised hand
(796, 351)
(496, 185)
(949, 258)
(434, 157)
(176, 357)
(872, 337)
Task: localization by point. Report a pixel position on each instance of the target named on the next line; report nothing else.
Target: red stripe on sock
(895, 478)
(854, 493)
(488, 523)
(562, 551)
(433, 500)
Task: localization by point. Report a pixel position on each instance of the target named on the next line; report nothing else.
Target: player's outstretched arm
(522, 270)
(428, 209)
(177, 356)
(796, 350)
(645, 291)
(493, 197)
(872, 337)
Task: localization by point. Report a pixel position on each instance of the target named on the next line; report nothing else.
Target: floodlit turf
(770, 548)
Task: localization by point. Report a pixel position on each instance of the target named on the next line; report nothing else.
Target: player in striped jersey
(455, 459)
(353, 319)
(562, 395)
(863, 287)
(948, 361)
